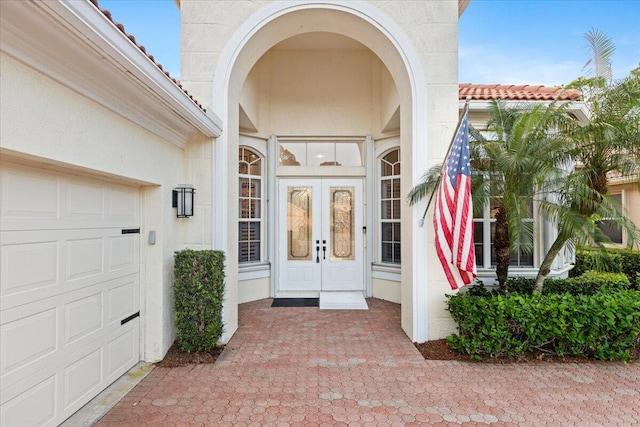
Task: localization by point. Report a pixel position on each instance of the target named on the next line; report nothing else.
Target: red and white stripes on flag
(453, 216)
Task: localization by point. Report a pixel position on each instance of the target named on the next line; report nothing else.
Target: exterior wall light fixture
(183, 200)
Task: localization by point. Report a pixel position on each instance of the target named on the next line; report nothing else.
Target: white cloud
(485, 64)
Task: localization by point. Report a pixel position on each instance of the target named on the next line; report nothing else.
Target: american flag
(453, 217)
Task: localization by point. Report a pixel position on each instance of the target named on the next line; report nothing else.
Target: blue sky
(501, 41)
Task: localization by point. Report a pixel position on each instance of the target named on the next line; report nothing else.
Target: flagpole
(465, 109)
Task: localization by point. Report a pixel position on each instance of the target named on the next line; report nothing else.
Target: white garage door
(69, 294)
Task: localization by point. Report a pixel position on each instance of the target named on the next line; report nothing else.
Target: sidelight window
(390, 202)
(250, 209)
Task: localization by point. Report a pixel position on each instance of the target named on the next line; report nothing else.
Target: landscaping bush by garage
(198, 292)
(605, 325)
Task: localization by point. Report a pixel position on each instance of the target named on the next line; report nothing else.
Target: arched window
(250, 210)
(390, 200)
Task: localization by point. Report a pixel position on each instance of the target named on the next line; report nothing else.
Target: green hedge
(609, 262)
(199, 289)
(618, 261)
(587, 284)
(605, 325)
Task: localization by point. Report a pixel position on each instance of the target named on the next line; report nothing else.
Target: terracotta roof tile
(107, 14)
(516, 92)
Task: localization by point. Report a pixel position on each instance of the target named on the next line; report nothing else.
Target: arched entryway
(285, 47)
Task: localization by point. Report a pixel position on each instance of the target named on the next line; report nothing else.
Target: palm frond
(426, 186)
(601, 50)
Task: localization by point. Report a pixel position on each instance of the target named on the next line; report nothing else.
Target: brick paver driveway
(303, 366)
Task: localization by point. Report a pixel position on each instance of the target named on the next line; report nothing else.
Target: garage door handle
(130, 318)
(131, 231)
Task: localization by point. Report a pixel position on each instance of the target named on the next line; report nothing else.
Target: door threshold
(343, 301)
(294, 294)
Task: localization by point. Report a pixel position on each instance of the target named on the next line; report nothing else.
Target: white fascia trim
(108, 37)
(412, 63)
(621, 180)
(73, 43)
(577, 108)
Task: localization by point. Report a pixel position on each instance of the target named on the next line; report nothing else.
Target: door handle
(317, 251)
(324, 249)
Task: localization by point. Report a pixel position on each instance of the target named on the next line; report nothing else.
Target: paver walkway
(303, 366)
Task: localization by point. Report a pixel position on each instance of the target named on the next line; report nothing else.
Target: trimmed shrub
(619, 261)
(631, 266)
(521, 285)
(478, 289)
(605, 325)
(588, 283)
(199, 289)
(586, 260)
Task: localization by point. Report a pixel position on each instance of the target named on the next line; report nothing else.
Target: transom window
(390, 200)
(250, 206)
(321, 153)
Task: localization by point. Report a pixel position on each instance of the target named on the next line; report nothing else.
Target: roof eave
(76, 45)
(578, 108)
(462, 6)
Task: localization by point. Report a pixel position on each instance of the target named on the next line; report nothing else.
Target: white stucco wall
(388, 290)
(390, 100)
(328, 92)
(198, 171)
(427, 86)
(254, 289)
(45, 121)
(319, 92)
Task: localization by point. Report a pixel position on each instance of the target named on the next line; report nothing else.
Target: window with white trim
(484, 222)
(250, 209)
(390, 199)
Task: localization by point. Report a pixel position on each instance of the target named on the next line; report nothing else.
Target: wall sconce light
(183, 200)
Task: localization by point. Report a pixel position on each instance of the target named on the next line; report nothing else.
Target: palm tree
(602, 48)
(609, 145)
(518, 151)
(575, 208)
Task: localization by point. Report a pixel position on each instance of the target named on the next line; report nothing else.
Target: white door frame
(319, 272)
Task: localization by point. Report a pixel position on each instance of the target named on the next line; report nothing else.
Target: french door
(320, 235)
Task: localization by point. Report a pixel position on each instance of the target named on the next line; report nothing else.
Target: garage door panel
(76, 258)
(28, 339)
(29, 195)
(35, 407)
(123, 301)
(44, 331)
(85, 258)
(52, 394)
(33, 199)
(122, 351)
(84, 201)
(28, 266)
(82, 377)
(82, 317)
(122, 252)
(69, 277)
(123, 204)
